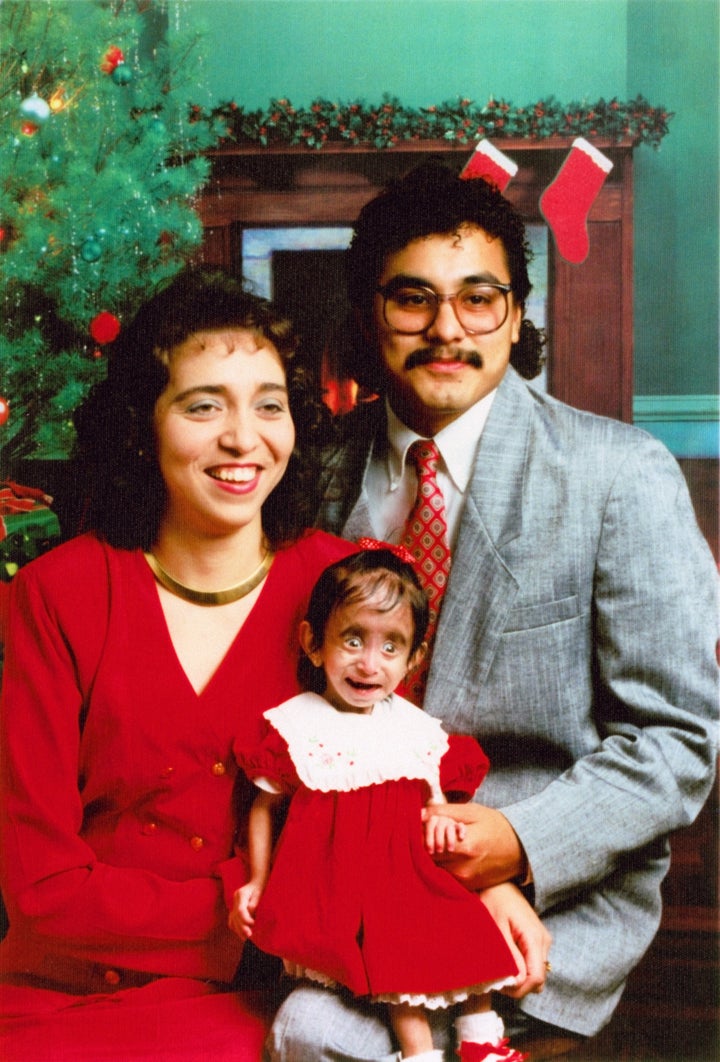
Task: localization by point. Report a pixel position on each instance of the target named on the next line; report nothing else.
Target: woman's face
(224, 431)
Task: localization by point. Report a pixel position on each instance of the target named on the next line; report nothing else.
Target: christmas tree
(102, 154)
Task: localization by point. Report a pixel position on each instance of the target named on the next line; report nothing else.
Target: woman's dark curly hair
(115, 454)
(433, 199)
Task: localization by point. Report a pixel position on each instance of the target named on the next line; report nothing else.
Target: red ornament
(4, 410)
(112, 58)
(29, 128)
(105, 327)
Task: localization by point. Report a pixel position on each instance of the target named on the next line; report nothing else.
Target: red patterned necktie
(426, 539)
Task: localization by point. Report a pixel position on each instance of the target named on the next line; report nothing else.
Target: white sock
(485, 1028)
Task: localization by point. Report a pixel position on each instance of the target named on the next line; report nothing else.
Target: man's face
(434, 377)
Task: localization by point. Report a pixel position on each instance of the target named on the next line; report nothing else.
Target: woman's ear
(417, 657)
(307, 643)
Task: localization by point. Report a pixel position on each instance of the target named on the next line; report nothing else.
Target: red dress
(121, 830)
(353, 897)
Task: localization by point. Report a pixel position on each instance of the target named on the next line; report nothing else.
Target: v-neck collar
(151, 591)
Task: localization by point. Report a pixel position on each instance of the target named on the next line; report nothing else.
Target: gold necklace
(210, 597)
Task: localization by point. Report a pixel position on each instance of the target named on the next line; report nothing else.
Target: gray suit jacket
(577, 643)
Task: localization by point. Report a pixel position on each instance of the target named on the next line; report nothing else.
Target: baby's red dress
(353, 897)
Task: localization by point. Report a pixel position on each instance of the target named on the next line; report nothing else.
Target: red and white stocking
(491, 165)
(566, 202)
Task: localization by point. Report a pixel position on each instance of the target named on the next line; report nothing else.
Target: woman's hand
(242, 916)
(488, 854)
(526, 936)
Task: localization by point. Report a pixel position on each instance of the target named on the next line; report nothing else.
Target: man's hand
(488, 854)
(527, 937)
(245, 901)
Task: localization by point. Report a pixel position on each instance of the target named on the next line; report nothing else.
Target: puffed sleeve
(462, 768)
(270, 760)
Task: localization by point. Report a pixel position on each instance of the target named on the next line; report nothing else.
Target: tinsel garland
(389, 123)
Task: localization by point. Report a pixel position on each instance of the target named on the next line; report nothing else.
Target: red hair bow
(400, 552)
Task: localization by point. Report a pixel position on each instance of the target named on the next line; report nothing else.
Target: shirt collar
(457, 443)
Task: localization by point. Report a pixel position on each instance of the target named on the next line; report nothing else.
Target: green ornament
(91, 250)
(122, 74)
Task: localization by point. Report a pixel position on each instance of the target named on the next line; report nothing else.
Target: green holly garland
(463, 122)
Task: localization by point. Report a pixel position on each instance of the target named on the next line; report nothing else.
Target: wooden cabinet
(590, 305)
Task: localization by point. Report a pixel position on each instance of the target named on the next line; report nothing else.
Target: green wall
(423, 51)
(428, 51)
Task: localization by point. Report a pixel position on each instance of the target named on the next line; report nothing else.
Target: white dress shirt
(390, 483)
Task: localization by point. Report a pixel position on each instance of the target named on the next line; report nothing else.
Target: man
(577, 633)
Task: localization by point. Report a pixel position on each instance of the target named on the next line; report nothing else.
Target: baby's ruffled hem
(443, 999)
(295, 970)
(431, 1002)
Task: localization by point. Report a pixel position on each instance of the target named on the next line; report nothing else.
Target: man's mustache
(427, 355)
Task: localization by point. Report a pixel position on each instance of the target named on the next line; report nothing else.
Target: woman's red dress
(122, 809)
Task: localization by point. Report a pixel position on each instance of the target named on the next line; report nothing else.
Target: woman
(141, 656)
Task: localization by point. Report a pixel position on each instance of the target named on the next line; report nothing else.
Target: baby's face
(365, 654)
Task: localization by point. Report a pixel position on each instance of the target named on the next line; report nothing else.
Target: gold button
(112, 977)
(196, 843)
(218, 769)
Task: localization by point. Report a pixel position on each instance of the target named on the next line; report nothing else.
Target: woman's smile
(241, 477)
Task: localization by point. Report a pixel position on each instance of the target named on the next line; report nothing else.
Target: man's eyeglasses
(411, 308)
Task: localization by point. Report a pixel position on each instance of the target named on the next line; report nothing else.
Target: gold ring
(548, 966)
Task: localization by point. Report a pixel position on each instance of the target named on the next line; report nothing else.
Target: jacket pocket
(526, 617)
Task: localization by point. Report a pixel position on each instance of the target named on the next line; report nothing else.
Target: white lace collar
(340, 751)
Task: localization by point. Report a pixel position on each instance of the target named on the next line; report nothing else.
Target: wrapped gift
(28, 526)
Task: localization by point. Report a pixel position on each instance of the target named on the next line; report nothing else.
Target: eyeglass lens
(479, 308)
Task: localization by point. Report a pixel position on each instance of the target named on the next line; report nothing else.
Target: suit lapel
(482, 589)
(343, 508)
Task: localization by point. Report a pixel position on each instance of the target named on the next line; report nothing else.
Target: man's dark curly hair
(115, 455)
(429, 200)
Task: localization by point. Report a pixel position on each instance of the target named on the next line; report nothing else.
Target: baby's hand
(245, 901)
(442, 834)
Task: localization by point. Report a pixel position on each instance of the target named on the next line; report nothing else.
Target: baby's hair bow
(400, 552)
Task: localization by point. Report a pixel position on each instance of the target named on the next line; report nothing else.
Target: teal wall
(428, 51)
(423, 51)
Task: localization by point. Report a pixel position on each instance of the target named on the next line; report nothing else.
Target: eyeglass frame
(385, 289)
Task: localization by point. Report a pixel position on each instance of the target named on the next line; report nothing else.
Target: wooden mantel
(590, 312)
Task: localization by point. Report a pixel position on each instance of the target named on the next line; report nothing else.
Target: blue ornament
(35, 108)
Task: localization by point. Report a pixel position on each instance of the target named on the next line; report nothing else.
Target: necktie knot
(424, 455)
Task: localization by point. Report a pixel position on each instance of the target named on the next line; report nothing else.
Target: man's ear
(517, 316)
(307, 643)
(417, 657)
